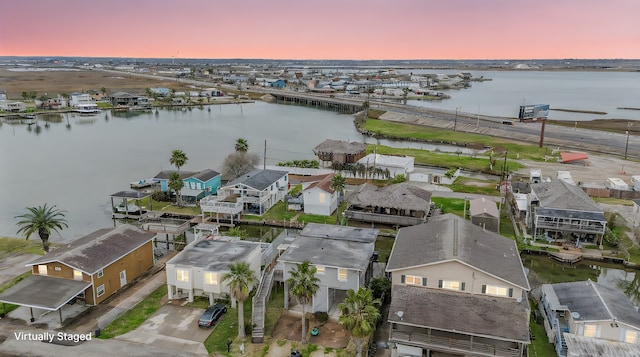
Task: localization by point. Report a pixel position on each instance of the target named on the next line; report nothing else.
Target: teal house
(197, 185)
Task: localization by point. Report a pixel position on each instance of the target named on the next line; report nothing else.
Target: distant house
(160, 91)
(457, 290)
(79, 99)
(320, 198)
(198, 269)
(13, 107)
(393, 165)
(91, 268)
(560, 211)
(583, 312)
(255, 192)
(341, 255)
(484, 213)
(197, 185)
(278, 84)
(124, 99)
(398, 204)
(341, 152)
(3, 94)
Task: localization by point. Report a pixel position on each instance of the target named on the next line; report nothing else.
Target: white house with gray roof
(457, 290)
(341, 255)
(587, 316)
(255, 192)
(396, 165)
(562, 212)
(198, 269)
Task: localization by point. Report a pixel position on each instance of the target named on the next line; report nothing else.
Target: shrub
(321, 317)
(161, 196)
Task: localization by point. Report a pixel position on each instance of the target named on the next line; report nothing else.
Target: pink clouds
(329, 29)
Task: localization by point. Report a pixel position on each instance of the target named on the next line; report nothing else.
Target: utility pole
(544, 121)
(264, 160)
(455, 121)
(626, 148)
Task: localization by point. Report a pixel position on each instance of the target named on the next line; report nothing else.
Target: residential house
(13, 107)
(279, 83)
(398, 204)
(586, 311)
(91, 268)
(160, 91)
(255, 192)
(320, 198)
(560, 211)
(340, 152)
(342, 258)
(3, 94)
(391, 165)
(457, 290)
(197, 185)
(198, 269)
(484, 213)
(123, 99)
(79, 99)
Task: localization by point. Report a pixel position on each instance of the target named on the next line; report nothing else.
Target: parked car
(211, 315)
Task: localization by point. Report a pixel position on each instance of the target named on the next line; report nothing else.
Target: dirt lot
(331, 334)
(55, 82)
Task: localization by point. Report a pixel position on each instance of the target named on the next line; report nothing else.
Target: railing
(259, 304)
(166, 227)
(383, 218)
(454, 345)
(569, 226)
(215, 205)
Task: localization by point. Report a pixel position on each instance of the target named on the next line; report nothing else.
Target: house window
(321, 197)
(451, 285)
(320, 269)
(631, 336)
(100, 273)
(415, 280)
(589, 331)
(182, 275)
(211, 278)
(42, 269)
(100, 290)
(77, 275)
(342, 275)
(57, 268)
(495, 290)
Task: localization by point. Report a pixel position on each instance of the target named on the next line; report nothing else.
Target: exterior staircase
(259, 303)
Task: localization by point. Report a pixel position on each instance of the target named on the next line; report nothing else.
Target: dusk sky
(327, 29)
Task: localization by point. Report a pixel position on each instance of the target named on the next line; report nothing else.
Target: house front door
(123, 278)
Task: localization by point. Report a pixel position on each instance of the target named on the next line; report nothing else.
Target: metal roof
(43, 292)
(131, 194)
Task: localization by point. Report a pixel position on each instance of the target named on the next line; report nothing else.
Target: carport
(43, 292)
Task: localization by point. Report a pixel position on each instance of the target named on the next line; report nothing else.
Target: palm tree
(337, 184)
(176, 184)
(360, 312)
(42, 219)
(240, 277)
(242, 145)
(303, 284)
(178, 158)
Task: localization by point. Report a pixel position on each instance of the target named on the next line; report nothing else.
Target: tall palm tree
(242, 145)
(176, 184)
(303, 284)
(42, 219)
(240, 277)
(337, 184)
(360, 312)
(178, 158)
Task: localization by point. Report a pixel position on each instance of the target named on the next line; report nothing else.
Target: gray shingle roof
(593, 301)
(258, 179)
(334, 246)
(213, 255)
(206, 175)
(449, 237)
(98, 249)
(400, 195)
(166, 174)
(496, 317)
(561, 195)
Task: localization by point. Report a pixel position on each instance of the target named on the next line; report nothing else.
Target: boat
(88, 108)
(143, 183)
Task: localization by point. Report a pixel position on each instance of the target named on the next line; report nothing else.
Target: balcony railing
(217, 206)
(579, 227)
(454, 345)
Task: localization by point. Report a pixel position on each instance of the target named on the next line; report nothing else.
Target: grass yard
(540, 346)
(227, 328)
(278, 212)
(10, 307)
(383, 247)
(22, 246)
(133, 318)
(450, 205)
(470, 185)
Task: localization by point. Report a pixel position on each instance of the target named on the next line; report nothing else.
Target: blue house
(278, 84)
(197, 185)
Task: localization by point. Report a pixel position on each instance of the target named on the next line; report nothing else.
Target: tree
(239, 163)
(242, 145)
(178, 158)
(176, 184)
(25, 95)
(337, 184)
(359, 314)
(240, 277)
(42, 219)
(303, 284)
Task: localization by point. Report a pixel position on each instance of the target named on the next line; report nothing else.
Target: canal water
(543, 270)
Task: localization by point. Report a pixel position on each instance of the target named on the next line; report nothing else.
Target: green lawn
(279, 212)
(10, 307)
(540, 346)
(168, 207)
(22, 246)
(133, 318)
(470, 185)
(409, 131)
(383, 247)
(275, 306)
(227, 329)
(450, 205)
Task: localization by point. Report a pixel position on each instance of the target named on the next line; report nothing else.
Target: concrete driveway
(174, 327)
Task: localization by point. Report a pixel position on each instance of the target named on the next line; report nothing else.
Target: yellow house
(90, 268)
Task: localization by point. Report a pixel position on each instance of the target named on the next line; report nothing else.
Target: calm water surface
(78, 168)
